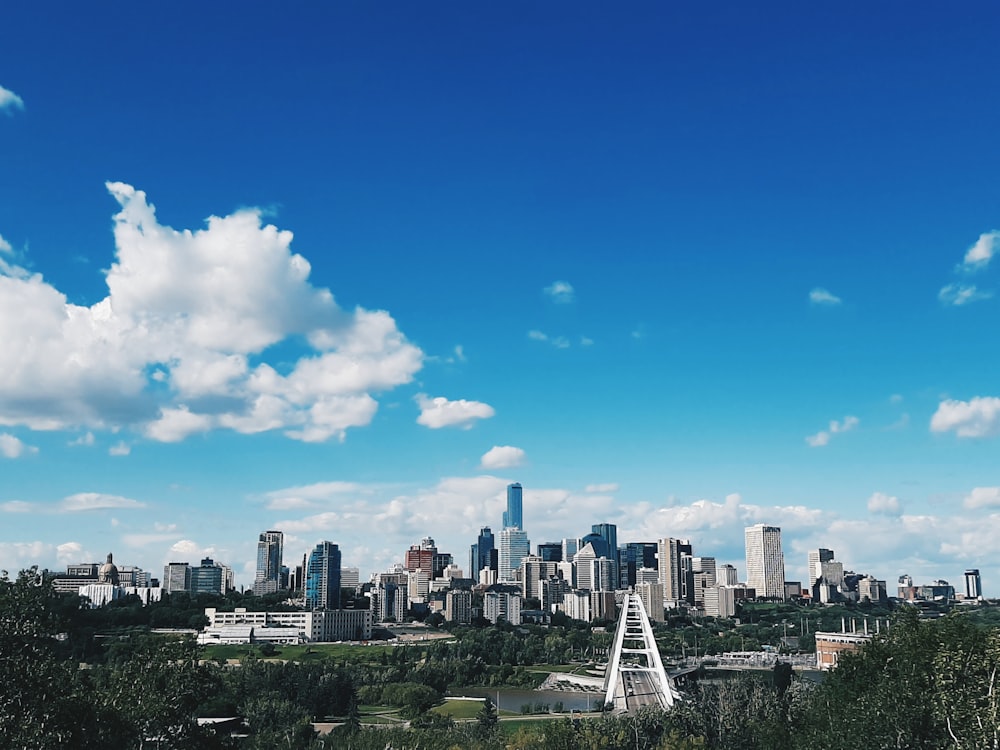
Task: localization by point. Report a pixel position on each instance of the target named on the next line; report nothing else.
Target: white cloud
(309, 495)
(120, 449)
(169, 350)
(10, 101)
(559, 342)
(584, 341)
(70, 552)
(818, 440)
(440, 412)
(12, 447)
(502, 457)
(16, 506)
(820, 296)
(85, 439)
(604, 487)
(978, 256)
(560, 291)
(822, 437)
(886, 505)
(978, 417)
(83, 501)
(983, 497)
(962, 294)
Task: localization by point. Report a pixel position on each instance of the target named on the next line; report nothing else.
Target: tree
(487, 719)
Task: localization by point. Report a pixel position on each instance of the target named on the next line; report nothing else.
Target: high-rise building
(973, 584)
(323, 577)
(350, 578)
(512, 517)
(632, 557)
(514, 547)
(479, 555)
(569, 548)
(458, 606)
(421, 556)
(550, 551)
(652, 599)
(815, 559)
(534, 570)
(673, 561)
(269, 550)
(726, 575)
(583, 562)
(206, 578)
(765, 561)
(500, 602)
(176, 577)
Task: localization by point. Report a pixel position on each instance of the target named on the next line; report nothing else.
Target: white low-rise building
(317, 626)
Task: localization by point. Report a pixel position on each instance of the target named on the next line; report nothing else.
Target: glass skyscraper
(479, 555)
(512, 516)
(323, 577)
(269, 549)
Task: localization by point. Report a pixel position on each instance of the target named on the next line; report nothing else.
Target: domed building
(108, 573)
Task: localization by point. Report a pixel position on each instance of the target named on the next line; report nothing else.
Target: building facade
(513, 517)
(270, 546)
(322, 584)
(765, 561)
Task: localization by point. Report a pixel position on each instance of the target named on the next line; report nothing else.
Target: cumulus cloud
(12, 447)
(440, 412)
(977, 417)
(9, 101)
(561, 292)
(962, 294)
(86, 438)
(502, 457)
(979, 255)
(820, 296)
(886, 505)
(822, 437)
(983, 497)
(179, 345)
(120, 449)
(83, 501)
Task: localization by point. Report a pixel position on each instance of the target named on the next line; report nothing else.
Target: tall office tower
(206, 578)
(323, 577)
(633, 556)
(815, 559)
(583, 562)
(602, 575)
(512, 517)
(569, 548)
(534, 570)
(176, 577)
(479, 555)
(973, 584)
(609, 533)
(421, 555)
(350, 578)
(553, 591)
(550, 551)
(652, 599)
(726, 575)
(269, 550)
(672, 559)
(765, 561)
(514, 547)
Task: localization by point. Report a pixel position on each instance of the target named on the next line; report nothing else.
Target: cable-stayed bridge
(635, 676)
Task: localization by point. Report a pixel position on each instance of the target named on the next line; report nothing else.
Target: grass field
(459, 710)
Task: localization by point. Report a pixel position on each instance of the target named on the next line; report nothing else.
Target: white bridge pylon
(635, 675)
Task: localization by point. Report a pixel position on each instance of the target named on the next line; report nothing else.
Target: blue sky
(689, 268)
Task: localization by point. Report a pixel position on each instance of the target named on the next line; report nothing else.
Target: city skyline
(682, 270)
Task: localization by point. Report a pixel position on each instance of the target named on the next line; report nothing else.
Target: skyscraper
(973, 584)
(323, 577)
(765, 561)
(479, 555)
(514, 547)
(815, 560)
(512, 518)
(672, 561)
(269, 549)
